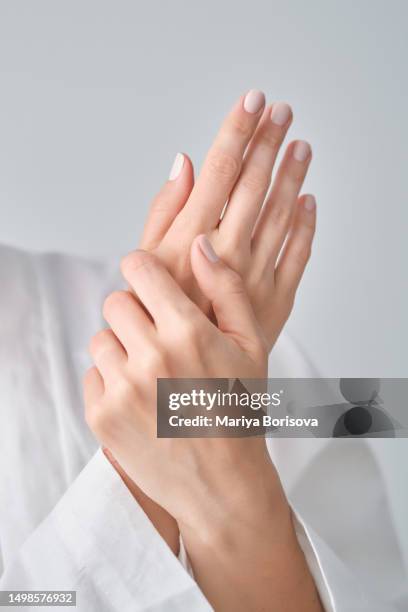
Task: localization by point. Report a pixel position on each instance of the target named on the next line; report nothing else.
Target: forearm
(252, 561)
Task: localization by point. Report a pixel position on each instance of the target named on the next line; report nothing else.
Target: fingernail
(301, 151)
(280, 113)
(176, 167)
(206, 247)
(309, 203)
(254, 101)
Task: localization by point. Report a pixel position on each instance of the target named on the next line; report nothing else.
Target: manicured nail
(254, 101)
(301, 151)
(206, 248)
(176, 167)
(309, 203)
(280, 113)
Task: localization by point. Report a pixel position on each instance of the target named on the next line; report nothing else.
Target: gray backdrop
(97, 97)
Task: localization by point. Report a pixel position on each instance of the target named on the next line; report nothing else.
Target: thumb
(168, 202)
(227, 294)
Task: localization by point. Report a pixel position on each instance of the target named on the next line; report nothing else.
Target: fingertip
(300, 150)
(281, 114)
(176, 167)
(254, 101)
(127, 259)
(182, 167)
(308, 202)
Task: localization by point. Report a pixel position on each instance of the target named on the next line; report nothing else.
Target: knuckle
(160, 204)
(115, 301)
(223, 165)
(88, 377)
(154, 365)
(125, 394)
(272, 139)
(254, 181)
(136, 260)
(99, 340)
(96, 418)
(241, 125)
(280, 214)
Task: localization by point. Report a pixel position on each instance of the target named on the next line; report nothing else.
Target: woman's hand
(224, 492)
(166, 335)
(253, 230)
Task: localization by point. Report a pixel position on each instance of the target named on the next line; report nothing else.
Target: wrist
(249, 507)
(267, 541)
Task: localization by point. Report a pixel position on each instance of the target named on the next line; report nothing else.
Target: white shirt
(67, 521)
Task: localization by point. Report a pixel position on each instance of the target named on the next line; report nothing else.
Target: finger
(93, 386)
(156, 289)
(250, 190)
(276, 217)
(108, 354)
(222, 164)
(297, 250)
(225, 290)
(129, 321)
(168, 202)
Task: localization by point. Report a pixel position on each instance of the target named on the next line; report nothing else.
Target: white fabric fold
(99, 542)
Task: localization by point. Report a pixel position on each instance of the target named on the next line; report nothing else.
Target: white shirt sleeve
(98, 542)
(338, 588)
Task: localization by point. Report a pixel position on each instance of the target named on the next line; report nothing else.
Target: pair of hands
(160, 330)
(209, 295)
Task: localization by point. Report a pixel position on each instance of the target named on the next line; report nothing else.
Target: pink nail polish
(301, 150)
(176, 167)
(207, 249)
(309, 203)
(280, 113)
(254, 101)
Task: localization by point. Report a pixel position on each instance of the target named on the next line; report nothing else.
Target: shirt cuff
(183, 558)
(337, 588)
(117, 546)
